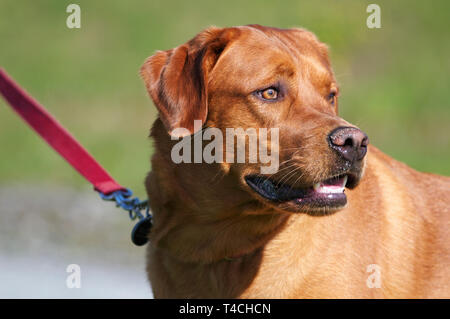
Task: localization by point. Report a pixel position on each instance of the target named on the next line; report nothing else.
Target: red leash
(75, 154)
(56, 135)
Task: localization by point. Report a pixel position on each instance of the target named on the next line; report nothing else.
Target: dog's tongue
(332, 185)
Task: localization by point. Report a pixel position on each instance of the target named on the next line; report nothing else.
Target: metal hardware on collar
(134, 206)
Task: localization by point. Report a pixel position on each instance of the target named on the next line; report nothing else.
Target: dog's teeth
(345, 181)
(316, 186)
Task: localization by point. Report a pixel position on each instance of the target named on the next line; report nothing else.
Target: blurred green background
(394, 80)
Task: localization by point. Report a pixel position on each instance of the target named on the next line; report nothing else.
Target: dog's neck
(202, 215)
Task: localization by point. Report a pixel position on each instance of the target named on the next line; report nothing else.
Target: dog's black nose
(349, 142)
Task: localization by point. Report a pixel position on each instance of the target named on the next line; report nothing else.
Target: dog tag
(139, 234)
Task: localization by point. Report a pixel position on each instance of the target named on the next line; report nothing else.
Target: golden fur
(213, 237)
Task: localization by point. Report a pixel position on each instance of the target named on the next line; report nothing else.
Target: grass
(394, 80)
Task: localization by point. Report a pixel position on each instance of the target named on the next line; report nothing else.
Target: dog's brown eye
(269, 94)
(332, 98)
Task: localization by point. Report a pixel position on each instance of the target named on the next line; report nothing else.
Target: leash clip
(134, 206)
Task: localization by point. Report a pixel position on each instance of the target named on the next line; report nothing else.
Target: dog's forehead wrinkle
(255, 65)
(314, 66)
(268, 62)
(299, 43)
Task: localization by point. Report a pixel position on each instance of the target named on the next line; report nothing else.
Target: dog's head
(256, 78)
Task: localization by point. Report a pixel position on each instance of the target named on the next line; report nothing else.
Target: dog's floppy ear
(177, 79)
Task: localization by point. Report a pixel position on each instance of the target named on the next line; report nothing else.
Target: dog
(338, 219)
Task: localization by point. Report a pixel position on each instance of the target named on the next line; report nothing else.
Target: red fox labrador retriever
(336, 219)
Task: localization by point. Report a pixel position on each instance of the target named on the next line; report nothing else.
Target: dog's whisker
(287, 176)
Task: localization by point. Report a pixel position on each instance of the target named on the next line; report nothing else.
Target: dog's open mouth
(326, 194)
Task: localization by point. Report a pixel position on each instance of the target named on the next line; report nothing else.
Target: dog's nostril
(350, 142)
(365, 141)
